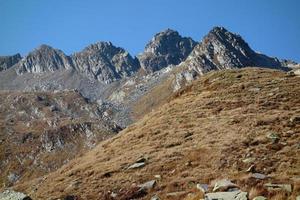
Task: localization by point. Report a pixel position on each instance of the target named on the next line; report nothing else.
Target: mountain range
(57, 107)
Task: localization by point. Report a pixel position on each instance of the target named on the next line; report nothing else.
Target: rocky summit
(44, 59)
(165, 48)
(221, 49)
(8, 61)
(105, 62)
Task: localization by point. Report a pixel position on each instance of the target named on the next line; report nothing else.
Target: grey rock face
(8, 61)
(221, 49)
(166, 48)
(44, 59)
(105, 62)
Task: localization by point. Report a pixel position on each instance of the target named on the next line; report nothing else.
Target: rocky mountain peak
(222, 49)
(8, 61)
(42, 59)
(166, 48)
(105, 62)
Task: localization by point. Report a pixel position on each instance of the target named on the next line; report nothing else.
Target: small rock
(202, 187)
(251, 169)
(295, 119)
(235, 195)
(249, 160)
(260, 198)
(274, 137)
(148, 185)
(224, 185)
(157, 176)
(176, 194)
(155, 197)
(113, 195)
(286, 187)
(136, 165)
(254, 90)
(258, 176)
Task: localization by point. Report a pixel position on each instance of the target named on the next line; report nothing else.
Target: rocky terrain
(233, 132)
(41, 131)
(54, 107)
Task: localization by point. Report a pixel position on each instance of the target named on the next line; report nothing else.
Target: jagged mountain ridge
(106, 63)
(221, 49)
(8, 61)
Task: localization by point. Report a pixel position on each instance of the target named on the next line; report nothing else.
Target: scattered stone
(148, 185)
(251, 169)
(259, 176)
(13, 195)
(274, 137)
(235, 195)
(295, 119)
(202, 187)
(113, 195)
(254, 90)
(157, 176)
(224, 185)
(249, 160)
(260, 198)
(176, 194)
(155, 197)
(290, 74)
(285, 187)
(137, 165)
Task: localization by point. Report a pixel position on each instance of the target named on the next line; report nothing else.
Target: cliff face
(8, 61)
(105, 62)
(165, 48)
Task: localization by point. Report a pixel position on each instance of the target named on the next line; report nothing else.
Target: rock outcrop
(105, 62)
(44, 59)
(221, 49)
(8, 61)
(165, 48)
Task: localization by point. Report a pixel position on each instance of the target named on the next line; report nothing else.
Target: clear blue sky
(269, 26)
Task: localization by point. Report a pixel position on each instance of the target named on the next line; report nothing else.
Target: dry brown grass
(203, 134)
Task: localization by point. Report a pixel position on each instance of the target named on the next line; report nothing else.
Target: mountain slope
(41, 131)
(206, 132)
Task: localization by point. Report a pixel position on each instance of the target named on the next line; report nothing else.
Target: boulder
(13, 195)
(148, 185)
(235, 195)
(259, 176)
(202, 187)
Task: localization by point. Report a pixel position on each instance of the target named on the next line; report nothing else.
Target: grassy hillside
(216, 128)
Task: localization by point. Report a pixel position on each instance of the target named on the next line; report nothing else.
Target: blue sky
(269, 26)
